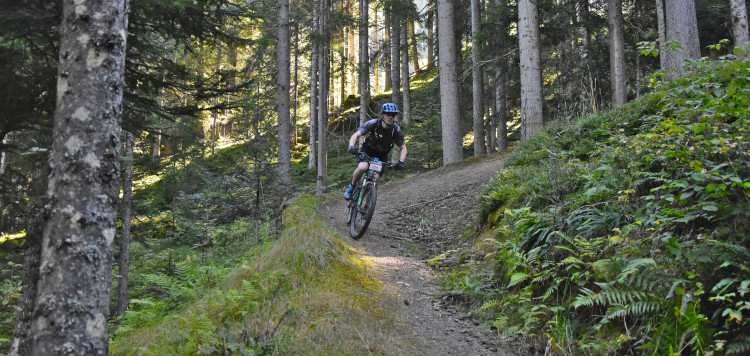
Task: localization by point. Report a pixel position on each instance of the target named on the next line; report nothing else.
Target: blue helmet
(389, 108)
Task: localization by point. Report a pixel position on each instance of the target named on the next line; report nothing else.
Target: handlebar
(364, 156)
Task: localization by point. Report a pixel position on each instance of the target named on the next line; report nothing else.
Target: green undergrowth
(305, 293)
(221, 184)
(626, 232)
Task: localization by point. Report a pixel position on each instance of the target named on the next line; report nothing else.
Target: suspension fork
(365, 182)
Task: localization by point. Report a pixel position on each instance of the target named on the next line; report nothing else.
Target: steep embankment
(418, 218)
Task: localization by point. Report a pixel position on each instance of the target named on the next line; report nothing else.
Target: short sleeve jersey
(380, 139)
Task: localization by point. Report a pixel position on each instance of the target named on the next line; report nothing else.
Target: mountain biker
(383, 134)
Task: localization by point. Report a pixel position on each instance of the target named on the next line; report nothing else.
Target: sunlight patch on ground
(400, 263)
(388, 261)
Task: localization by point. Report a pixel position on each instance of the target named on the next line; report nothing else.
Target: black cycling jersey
(380, 140)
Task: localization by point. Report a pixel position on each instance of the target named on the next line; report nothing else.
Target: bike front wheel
(362, 211)
(352, 205)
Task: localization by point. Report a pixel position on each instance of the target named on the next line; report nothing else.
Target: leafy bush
(627, 231)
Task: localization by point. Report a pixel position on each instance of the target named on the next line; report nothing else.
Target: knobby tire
(361, 215)
(351, 209)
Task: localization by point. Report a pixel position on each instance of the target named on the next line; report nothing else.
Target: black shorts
(383, 157)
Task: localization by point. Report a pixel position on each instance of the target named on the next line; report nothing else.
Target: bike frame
(356, 212)
(371, 176)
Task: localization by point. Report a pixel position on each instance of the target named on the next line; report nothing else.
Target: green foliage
(10, 292)
(306, 292)
(626, 231)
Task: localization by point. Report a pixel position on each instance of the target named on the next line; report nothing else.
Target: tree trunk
(501, 83)
(739, 23)
(387, 48)
(682, 28)
(3, 144)
(531, 74)
(489, 111)
(295, 100)
(342, 67)
(31, 263)
(395, 54)
(430, 39)
(364, 65)
(406, 109)
(72, 306)
(566, 59)
(231, 82)
(376, 42)
(448, 70)
(283, 95)
(127, 194)
(214, 136)
(617, 54)
(413, 46)
(591, 67)
(662, 29)
(501, 100)
(314, 56)
(156, 148)
(322, 181)
(638, 68)
(350, 31)
(476, 76)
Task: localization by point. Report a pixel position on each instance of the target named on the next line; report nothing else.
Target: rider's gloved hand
(352, 150)
(399, 166)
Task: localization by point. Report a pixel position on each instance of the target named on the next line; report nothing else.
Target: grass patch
(308, 293)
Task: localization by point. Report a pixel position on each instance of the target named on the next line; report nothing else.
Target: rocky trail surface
(416, 219)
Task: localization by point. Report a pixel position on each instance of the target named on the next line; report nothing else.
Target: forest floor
(416, 219)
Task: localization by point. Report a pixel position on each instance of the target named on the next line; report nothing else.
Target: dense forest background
(229, 108)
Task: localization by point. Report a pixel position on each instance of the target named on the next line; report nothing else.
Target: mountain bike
(364, 196)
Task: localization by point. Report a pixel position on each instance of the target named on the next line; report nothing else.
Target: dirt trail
(415, 219)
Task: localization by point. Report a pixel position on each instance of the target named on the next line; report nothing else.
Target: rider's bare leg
(361, 168)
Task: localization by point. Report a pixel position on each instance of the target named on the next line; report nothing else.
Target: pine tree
(406, 92)
(395, 26)
(531, 72)
(364, 56)
(618, 71)
(314, 77)
(681, 36)
(448, 67)
(283, 97)
(476, 75)
(739, 22)
(501, 80)
(72, 306)
(125, 204)
(324, 75)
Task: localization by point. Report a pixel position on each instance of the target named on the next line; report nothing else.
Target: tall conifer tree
(618, 71)
(283, 97)
(72, 306)
(681, 35)
(448, 67)
(531, 71)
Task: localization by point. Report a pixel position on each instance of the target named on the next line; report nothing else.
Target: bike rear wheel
(361, 214)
